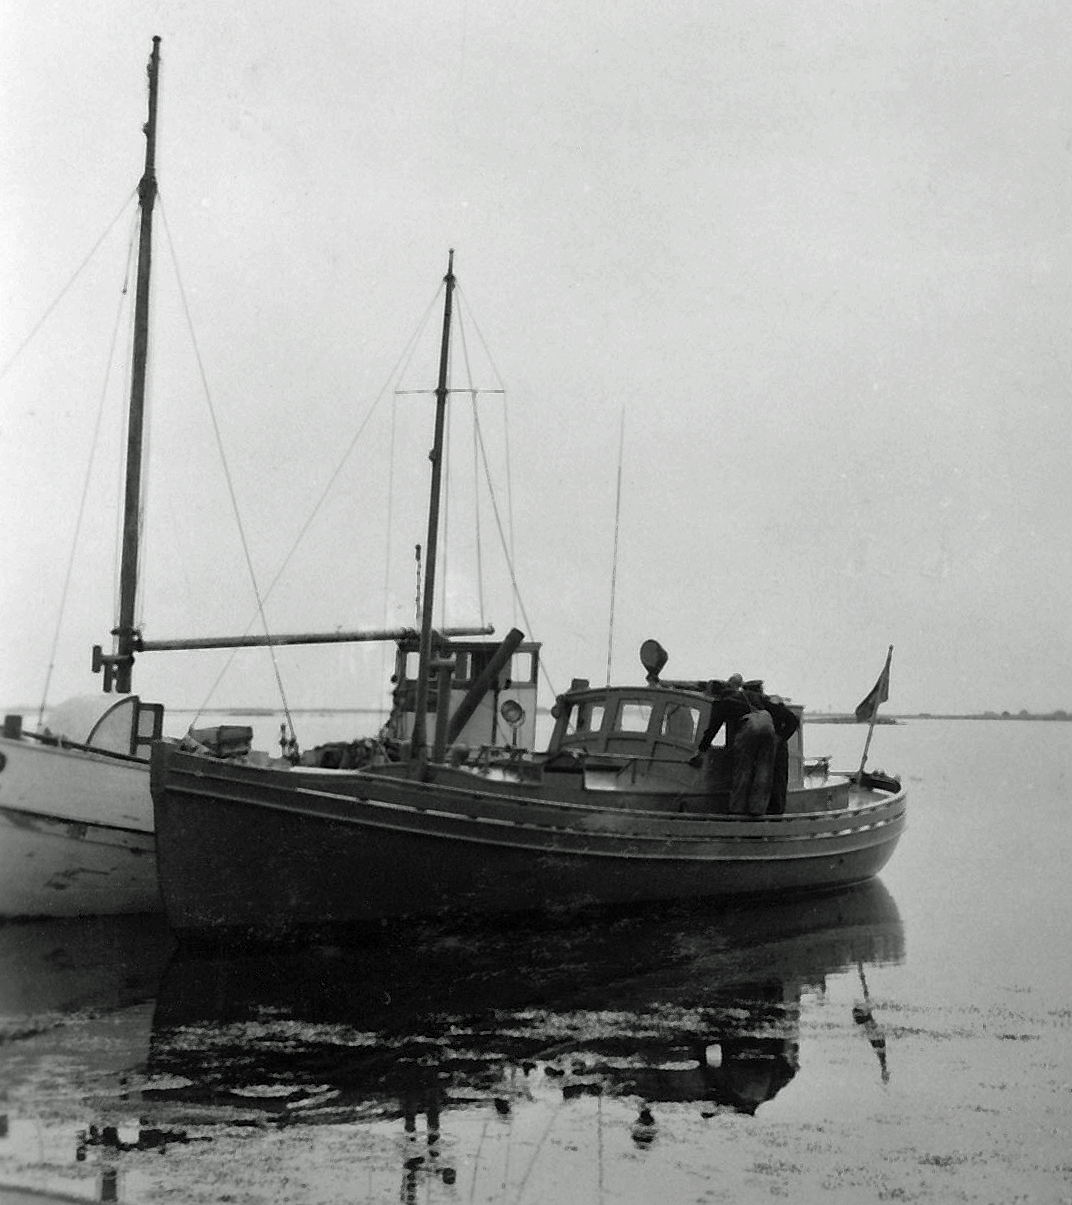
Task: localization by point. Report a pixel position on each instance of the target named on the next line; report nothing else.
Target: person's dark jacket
(727, 710)
(785, 719)
(732, 708)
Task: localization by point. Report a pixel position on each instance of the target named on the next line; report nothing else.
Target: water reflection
(700, 1005)
(425, 1040)
(52, 970)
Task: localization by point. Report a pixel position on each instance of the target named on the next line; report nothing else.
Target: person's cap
(734, 681)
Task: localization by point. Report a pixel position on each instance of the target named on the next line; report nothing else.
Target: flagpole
(884, 677)
(867, 745)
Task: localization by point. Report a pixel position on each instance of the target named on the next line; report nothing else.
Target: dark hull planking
(266, 853)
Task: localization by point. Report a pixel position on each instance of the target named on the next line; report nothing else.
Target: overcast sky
(816, 258)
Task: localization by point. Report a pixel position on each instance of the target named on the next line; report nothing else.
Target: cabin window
(680, 722)
(584, 718)
(634, 717)
(150, 722)
(593, 719)
(523, 668)
(481, 661)
(412, 664)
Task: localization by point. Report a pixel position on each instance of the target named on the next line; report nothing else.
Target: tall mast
(118, 668)
(419, 739)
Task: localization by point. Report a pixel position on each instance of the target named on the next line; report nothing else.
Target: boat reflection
(677, 1005)
(54, 970)
(76, 999)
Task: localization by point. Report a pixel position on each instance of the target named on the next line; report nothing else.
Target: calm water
(909, 1041)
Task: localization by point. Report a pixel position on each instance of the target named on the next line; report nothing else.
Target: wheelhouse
(505, 714)
(655, 728)
(620, 720)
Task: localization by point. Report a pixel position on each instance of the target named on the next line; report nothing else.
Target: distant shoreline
(819, 717)
(813, 717)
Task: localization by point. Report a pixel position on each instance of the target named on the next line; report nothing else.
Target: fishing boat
(617, 810)
(76, 813)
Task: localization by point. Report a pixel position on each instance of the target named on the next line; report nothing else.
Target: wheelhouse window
(522, 668)
(584, 718)
(633, 717)
(470, 663)
(680, 723)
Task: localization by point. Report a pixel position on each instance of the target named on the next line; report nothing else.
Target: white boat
(76, 822)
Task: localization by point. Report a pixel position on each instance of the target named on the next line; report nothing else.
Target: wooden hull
(268, 852)
(76, 833)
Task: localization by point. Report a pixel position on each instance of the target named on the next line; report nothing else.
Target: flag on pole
(878, 693)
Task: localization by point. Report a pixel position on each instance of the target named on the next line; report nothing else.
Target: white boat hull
(76, 833)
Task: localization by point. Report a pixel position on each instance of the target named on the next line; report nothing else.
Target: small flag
(879, 693)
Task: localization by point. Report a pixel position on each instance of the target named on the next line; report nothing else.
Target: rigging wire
(109, 365)
(387, 542)
(66, 288)
(399, 366)
(227, 472)
(509, 480)
(503, 539)
(506, 552)
(599, 1145)
(506, 426)
(614, 560)
(476, 513)
(476, 1160)
(538, 1148)
(476, 470)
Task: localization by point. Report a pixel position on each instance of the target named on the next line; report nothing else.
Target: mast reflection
(700, 1005)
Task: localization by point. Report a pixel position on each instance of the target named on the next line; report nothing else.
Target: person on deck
(750, 731)
(785, 724)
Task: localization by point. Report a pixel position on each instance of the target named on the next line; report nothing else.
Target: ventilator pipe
(483, 684)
